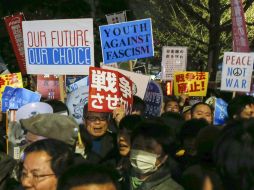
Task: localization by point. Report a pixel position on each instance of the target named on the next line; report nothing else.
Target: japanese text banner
(14, 27)
(107, 89)
(13, 80)
(190, 83)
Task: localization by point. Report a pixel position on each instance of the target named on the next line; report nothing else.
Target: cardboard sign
(153, 99)
(48, 86)
(126, 41)
(15, 98)
(116, 17)
(140, 81)
(237, 71)
(107, 89)
(174, 59)
(220, 112)
(190, 83)
(13, 80)
(76, 101)
(59, 46)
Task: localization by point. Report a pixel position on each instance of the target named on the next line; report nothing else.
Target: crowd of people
(180, 149)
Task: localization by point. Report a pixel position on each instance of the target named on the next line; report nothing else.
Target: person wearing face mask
(149, 155)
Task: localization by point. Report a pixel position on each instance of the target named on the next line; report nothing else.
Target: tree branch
(191, 13)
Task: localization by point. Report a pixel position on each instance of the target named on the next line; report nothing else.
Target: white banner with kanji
(174, 59)
(116, 17)
(108, 89)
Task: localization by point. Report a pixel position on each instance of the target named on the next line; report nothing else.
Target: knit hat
(55, 126)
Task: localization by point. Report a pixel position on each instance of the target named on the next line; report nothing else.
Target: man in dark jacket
(100, 143)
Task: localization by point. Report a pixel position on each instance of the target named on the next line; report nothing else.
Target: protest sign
(237, 71)
(108, 89)
(76, 100)
(76, 85)
(190, 83)
(14, 98)
(71, 79)
(116, 17)
(153, 99)
(48, 86)
(220, 112)
(13, 80)
(173, 59)
(14, 27)
(59, 46)
(126, 41)
(140, 81)
(140, 69)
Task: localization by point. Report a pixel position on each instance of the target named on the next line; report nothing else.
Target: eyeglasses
(95, 118)
(36, 178)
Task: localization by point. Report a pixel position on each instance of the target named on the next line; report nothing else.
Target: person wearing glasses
(44, 161)
(100, 143)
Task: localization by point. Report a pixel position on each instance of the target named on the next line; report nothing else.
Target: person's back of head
(89, 177)
(58, 106)
(234, 155)
(237, 105)
(189, 132)
(139, 106)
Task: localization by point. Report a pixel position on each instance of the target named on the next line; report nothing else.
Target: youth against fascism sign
(58, 46)
(126, 41)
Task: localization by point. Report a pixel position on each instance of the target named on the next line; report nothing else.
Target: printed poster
(108, 89)
(174, 59)
(190, 83)
(126, 41)
(237, 71)
(63, 47)
(48, 86)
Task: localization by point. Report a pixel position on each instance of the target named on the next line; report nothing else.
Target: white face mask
(143, 162)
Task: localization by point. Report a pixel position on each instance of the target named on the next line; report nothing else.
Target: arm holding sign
(119, 114)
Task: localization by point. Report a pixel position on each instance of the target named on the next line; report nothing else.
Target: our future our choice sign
(58, 46)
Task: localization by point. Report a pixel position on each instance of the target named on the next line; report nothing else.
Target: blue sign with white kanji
(126, 41)
(220, 112)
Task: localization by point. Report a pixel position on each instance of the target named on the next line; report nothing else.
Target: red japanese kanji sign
(107, 89)
(191, 83)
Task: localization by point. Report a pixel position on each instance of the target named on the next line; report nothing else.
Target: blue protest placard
(220, 112)
(14, 98)
(153, 99)
(126, 41)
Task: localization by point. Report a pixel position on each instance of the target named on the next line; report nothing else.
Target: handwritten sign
(190, 83)
(126, 41)
(237, 71)
(58, 46)
(107, 89)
